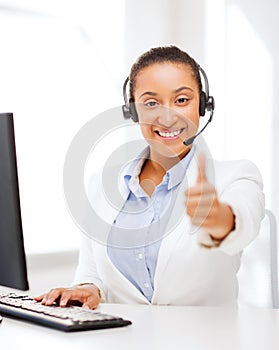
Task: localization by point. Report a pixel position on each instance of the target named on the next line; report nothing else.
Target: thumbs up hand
(205, 209)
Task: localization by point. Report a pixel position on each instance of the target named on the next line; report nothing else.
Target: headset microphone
(189, 141)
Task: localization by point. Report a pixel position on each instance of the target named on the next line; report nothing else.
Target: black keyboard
(67, 319)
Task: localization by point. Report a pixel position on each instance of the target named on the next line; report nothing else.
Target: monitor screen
(12, 255)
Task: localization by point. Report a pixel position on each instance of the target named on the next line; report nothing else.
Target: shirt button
(140, 256)
(146, 285)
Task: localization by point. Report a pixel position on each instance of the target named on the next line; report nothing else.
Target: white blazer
(190, 269)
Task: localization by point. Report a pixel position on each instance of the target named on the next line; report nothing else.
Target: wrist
(225, 225)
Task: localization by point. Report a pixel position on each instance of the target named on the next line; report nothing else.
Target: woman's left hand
(205, 209)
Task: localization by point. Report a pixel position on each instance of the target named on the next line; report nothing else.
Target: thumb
(201, 168)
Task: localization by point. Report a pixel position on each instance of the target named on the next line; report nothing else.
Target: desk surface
(157, 327)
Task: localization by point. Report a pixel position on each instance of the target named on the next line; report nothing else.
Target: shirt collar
(173, 176)
(131, 175)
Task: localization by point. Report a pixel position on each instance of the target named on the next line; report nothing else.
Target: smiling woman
(175, 222)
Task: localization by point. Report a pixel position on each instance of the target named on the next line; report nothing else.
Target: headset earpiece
(206, 101)
(129, 108)
(130, 112)
(126, 112)
(202, 103)
(133, 111)
(210, 105)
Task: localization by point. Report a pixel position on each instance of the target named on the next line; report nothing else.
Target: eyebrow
(175, 91)
(183, 88)
(149, 93)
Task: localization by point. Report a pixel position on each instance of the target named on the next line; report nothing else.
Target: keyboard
(69, 319)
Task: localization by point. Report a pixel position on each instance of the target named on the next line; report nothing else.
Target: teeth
(169, 134)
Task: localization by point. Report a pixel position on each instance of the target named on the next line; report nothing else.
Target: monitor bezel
(13, 269)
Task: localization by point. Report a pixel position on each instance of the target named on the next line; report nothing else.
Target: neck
(162, 163)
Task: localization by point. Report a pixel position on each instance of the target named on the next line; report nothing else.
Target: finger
(206, 199)
(39, 297)
(199, 189)
(66, 297)
(201, 168)
(199, 221)
(200, 206)
(199, 213)
(52, 296)
(91, 303)
(77, 295)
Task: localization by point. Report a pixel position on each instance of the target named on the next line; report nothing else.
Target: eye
(151, 103)
(182, 100)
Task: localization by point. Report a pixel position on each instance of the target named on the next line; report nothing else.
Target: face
(167, 102)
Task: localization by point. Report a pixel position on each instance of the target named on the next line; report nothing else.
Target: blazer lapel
(179, 223)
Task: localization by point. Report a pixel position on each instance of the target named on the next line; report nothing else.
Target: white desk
(156, 327)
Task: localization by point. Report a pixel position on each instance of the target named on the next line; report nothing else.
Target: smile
(169, 134)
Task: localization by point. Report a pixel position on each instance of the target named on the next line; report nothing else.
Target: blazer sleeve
(86, 271)
(239, 184)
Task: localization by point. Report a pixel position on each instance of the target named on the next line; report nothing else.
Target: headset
(207, 104)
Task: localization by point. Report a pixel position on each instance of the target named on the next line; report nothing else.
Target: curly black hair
(162, 54)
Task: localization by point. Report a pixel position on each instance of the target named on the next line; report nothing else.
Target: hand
(88, 295)
(205, 209)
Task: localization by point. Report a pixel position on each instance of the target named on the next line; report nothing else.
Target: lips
(167, 134)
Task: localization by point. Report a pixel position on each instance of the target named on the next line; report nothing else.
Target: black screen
(12, 256)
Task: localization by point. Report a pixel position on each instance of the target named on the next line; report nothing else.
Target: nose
(167, 116)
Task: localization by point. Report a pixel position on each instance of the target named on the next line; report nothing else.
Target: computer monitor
(13, 272)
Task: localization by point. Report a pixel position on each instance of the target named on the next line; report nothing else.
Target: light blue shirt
(136, 234)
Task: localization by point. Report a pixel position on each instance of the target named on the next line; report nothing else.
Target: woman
(150, 257)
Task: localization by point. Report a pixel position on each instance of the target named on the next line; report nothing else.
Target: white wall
(263, 18)
(57, 72)
(164, 22)
(51, 270)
